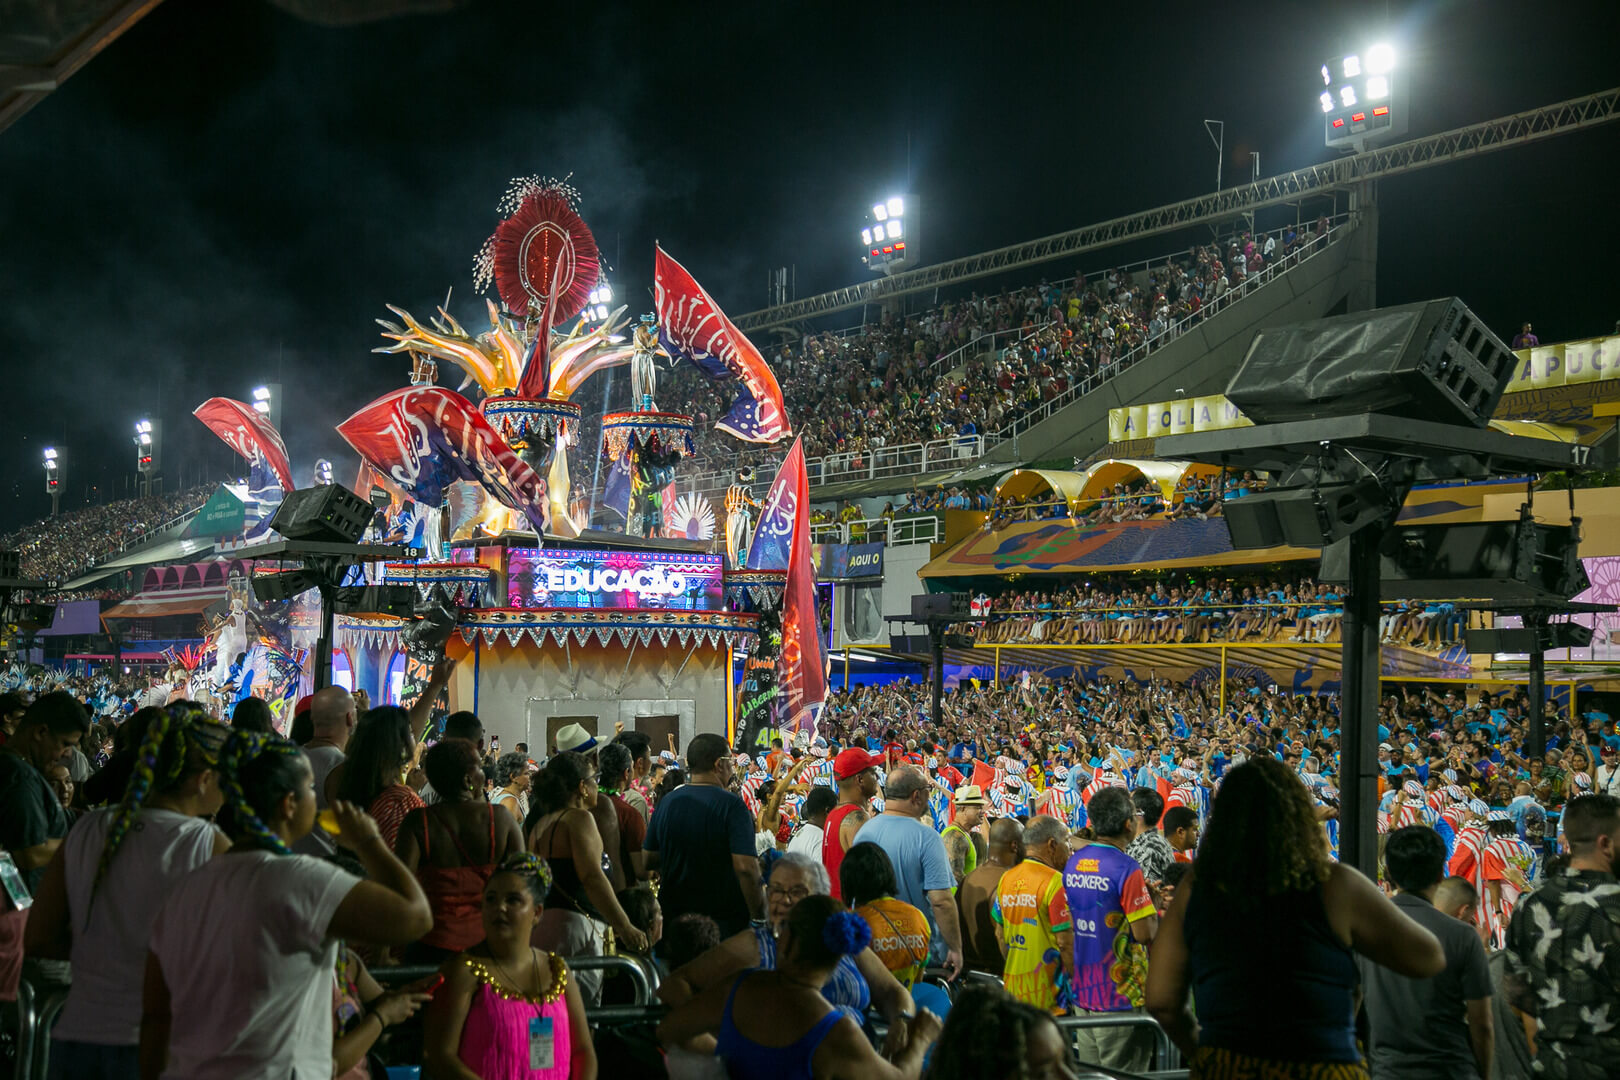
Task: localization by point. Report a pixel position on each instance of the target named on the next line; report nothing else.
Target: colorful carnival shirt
(900, 935)
(1563, 952)
(1107, 892)
(1031, 910)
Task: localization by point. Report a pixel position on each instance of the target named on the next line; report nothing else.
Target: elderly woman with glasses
(859, 981)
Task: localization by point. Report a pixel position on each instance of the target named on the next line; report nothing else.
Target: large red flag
(248, 433)
(803, 664)
(423, 438)
(691, 325)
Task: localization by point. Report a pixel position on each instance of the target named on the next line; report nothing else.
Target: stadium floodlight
(595, 297)
(601, 312)
(866, 237)
(607, 293)
(1327, 76)
(893, 229)
(261, 393)
(50, 457)
(896, 206)
(143, 427)
(1364, 103)
(880, 212)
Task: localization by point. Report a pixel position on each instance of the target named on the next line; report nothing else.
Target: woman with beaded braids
(108, 879)
(243, 950)
(776, 1025)
(508, 1010)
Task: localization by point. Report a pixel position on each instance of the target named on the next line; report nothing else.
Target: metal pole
(936, 641)
(846, 668)
(1223, 679)
(1220, 147)
(1538, 694)
(1358, 707)
(323, 647)
(995, 674)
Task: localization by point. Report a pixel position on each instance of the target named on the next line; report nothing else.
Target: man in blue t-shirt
(701, 842)
(921, 866)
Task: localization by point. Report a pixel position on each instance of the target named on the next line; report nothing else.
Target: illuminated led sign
(574, 578)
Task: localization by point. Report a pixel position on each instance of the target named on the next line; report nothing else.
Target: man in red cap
(855, 770)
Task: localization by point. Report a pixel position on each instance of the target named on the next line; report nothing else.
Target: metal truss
(1503, 133)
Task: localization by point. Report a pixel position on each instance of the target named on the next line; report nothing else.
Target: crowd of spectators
(229, 899)
(1190, 610)
(972, 367)
(59, 548)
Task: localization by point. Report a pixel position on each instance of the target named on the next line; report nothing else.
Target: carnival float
(556, 618)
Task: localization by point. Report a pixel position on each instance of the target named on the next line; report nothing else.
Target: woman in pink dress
(507, 1010)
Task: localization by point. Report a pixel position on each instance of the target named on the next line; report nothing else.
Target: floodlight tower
(1363, 99)
(599, 304)
(889, 235)
(53, 478)
(149, 456)
(267, 403)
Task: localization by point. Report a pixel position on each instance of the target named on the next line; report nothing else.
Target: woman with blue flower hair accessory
(776, 1025)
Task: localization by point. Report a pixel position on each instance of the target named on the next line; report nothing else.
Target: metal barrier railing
(1165, 1054)
(896, 531)
(643, 976)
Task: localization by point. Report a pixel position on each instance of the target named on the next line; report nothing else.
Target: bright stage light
(1327, 101)
(880, 212)
(896, 207)
(1352, 66)
(1378, 87)
(866, 237)
(893, 229)
(1347, 95)
(1380, 59)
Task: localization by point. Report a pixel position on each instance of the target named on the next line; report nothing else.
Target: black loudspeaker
(1428, 361)
(1521, 639)
(1498, 560)
(329, 512)
(274, 585)
(910, 644)
(397, 600)
(1303, 517)
(928, 605)
(10, 564)
(1528, 639)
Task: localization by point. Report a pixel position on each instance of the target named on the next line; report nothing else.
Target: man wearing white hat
(959, 848)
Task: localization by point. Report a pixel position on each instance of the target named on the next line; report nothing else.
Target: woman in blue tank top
(776, 1025)
(1261, 933)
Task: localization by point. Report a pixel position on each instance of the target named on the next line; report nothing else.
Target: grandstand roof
(160, 552)
(1063, 546)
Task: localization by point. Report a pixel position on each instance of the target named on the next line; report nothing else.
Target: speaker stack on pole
(1349, 413)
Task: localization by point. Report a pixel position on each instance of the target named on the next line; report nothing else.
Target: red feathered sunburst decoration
(542, 239)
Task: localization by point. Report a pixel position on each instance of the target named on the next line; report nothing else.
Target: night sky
(228, 195)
